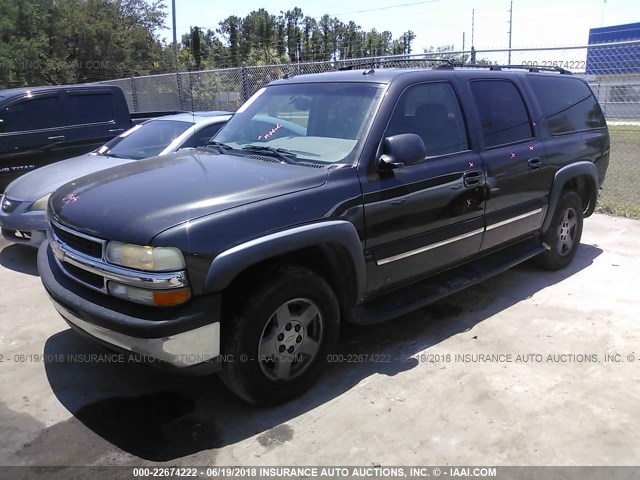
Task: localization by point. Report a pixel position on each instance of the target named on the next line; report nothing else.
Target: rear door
(89, 122)
(423, 217)
(513, 160)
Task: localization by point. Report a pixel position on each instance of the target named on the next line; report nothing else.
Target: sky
(536, 23)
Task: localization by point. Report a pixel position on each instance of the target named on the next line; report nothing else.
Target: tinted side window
(31, 114)
(203, 136)
(567, 104)
(431, 111)
(89, 108)
(503, 115)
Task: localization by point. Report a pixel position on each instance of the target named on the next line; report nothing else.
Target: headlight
(153, 259)
(40, 204)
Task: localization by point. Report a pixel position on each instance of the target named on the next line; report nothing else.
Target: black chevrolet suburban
(351, 196)
(42, 125)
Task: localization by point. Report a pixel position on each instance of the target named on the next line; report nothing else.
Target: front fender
(228, 264)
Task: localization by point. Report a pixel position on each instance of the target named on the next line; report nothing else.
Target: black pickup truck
(42, 125)
(351, 196)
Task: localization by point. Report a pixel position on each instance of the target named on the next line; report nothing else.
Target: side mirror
(401, 151)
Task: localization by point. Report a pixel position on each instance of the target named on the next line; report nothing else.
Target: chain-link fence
(612, 70)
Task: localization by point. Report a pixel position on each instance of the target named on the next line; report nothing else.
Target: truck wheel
(564, 233)
(277, 345)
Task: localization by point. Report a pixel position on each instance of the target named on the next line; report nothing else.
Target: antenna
(604, 4)
(511, 29)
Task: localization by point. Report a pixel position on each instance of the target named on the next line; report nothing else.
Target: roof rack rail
(530, 68)
(374, 63)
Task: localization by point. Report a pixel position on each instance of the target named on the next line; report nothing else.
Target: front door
(30, 130)
(421, 218)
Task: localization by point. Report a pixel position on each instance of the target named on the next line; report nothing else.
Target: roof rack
(448, 64)
(532, 68)
(374, 63)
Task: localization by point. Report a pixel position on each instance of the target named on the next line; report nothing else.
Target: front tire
(280, 338)
(564, 233)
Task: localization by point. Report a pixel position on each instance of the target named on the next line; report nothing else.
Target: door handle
(535, 163)
(57, 138)
(116, 130)
(472, 178)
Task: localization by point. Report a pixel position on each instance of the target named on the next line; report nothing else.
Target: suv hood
(134, 202)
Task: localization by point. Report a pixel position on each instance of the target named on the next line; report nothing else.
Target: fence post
(134, 94)
(180, 93)
(245, 83)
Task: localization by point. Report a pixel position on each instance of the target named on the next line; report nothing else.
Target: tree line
(44, 42)
(262, 38)
(73, 41)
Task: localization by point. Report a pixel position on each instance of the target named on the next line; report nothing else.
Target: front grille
(96, 281)
(8, 205)
(81, 244)
(80, 258)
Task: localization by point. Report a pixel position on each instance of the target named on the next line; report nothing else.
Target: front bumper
(185, 337)
(22, 225)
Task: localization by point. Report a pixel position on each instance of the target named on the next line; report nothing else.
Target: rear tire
(280, 337)
(564, 233)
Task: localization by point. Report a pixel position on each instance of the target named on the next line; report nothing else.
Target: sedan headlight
(152, 259)
(40, 204)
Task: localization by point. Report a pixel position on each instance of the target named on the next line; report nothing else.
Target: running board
(423, 292)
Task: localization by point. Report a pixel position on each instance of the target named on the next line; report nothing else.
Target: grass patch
(618, 209)
(621, 193)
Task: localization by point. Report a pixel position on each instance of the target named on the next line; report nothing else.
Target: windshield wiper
(114, 155)
(217, 146)
(282, 154)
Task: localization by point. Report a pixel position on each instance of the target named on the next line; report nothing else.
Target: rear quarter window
(567, 104)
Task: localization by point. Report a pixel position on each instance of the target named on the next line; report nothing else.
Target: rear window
(567, 104)
(89, 108)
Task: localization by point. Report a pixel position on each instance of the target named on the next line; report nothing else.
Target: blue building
(614, 60)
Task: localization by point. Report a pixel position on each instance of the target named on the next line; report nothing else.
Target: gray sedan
(23, 205)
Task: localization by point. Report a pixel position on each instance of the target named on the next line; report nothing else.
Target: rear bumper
(186, 337)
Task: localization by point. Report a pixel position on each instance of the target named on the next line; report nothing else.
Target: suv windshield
(145, 140)
(321, 122)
